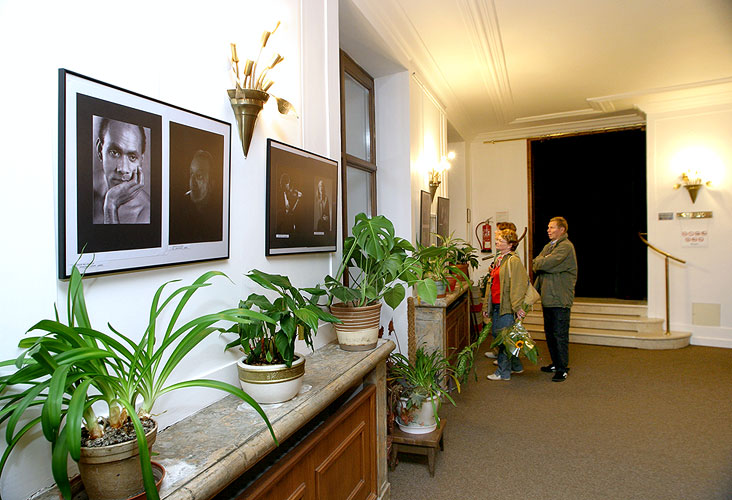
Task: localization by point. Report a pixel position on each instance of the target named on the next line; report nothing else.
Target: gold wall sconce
(251, 92)
(436, 172)
(692, 183)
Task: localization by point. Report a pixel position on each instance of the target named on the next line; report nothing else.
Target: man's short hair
(510, 237)
(203, 156)
(561, 222)
(104, 125)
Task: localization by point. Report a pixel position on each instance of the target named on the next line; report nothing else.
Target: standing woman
(506, 288)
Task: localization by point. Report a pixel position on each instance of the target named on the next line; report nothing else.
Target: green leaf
(427, 290)
(394, 296)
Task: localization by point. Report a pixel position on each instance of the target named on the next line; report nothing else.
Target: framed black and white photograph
(302, 201)
(425, 208)
(443, 216)
(141, 183)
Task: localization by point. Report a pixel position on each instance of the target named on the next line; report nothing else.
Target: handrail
(667, 257)
(665, 254)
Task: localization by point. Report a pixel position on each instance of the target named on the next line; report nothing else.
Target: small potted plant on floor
(380, 265)
(71, 370)
(423, 386)
(271, 371)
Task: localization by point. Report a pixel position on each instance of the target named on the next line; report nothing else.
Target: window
(358, 147)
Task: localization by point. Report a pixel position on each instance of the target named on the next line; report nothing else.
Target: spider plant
(425, 380)
(291, 314)
(68, 368)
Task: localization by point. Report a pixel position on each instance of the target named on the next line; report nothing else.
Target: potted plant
(379, 266)
(437, 265)
(71, 370)
(465, 257)
(271, 371)
(423, 386)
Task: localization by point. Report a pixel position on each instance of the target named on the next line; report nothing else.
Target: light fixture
(435, 173)
(693, 182)
(250, 94)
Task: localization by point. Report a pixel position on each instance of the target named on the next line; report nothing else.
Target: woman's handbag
(532, 296)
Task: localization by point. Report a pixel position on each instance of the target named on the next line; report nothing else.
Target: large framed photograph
(425, 208)
(302, 201)
(141, 183)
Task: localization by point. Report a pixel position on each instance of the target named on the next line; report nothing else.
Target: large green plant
(379, 264)
(437, 262)
(291, 314)
(68, 368)
(424, 380)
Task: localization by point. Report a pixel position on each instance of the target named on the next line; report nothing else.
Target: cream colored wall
(458, 191)
(499, 183)
(178, 55)
(703, 135)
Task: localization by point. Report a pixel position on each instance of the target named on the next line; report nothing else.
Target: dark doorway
(597, 182)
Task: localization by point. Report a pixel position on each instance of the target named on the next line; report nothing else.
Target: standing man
(556, 275)
(119, 197)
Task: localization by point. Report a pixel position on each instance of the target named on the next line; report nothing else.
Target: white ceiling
(502, 65)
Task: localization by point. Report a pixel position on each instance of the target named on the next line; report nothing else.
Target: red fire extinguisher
(483, 233)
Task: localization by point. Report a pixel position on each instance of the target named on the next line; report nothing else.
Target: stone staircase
(612, 323)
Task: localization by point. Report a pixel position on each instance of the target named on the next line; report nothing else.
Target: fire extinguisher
(483, 233)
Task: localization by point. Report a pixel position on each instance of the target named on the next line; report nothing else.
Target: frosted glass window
(359, 194)
(358, 137)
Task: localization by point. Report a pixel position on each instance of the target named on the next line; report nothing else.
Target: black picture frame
(302, 201)
(425, 209)
(443, 217)
(167, 167)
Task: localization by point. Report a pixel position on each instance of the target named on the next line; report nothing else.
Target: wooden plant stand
(419, 444)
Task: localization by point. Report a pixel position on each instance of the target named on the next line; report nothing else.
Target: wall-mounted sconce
(692, 184)
(250, 94)
(435, 173)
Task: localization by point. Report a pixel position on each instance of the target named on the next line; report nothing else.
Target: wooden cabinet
(337, 461)
(446, 324)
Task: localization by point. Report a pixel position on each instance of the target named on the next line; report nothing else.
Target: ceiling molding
(481, 20)
(580, 113)
(619, 121)
(395, 27)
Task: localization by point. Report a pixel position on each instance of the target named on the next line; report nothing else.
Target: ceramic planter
(272, 383)
(113, 472)
(421, 420)
(441, 288)
(360, 328)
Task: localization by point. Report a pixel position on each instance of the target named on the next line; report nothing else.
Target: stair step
(621, 338)
(605, 322)
(619, 309)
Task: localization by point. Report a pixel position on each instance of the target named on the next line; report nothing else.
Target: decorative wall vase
(247, 103)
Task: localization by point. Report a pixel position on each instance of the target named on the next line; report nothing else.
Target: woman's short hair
(510, 237)
(561, 222)
(505, 225)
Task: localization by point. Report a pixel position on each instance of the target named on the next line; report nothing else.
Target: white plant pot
(422, 420)
(272, 383)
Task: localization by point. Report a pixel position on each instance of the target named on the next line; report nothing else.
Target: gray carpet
(626, 424)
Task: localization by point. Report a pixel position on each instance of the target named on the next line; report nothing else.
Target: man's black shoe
(549, 368)
(559, 376)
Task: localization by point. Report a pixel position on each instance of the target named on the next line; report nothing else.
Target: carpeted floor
(626, 424)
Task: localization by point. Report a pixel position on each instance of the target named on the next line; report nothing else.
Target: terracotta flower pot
(451, 284)
(360, 328)
(113, 472)
(272, 383)
(464, 269)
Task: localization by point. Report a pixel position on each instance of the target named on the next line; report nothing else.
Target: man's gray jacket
(556, 273)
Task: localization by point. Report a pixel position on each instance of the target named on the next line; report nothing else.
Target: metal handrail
(667, 257)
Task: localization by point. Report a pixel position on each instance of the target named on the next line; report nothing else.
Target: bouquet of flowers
(517, 341)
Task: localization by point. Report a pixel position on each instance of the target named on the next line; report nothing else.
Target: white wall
(177, 54)
(458, 191)
(705, 136)
(498, 183)
(393, 177)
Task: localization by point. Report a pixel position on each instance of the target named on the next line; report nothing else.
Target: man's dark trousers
(556, 328)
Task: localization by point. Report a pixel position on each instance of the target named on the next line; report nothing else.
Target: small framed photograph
(443, 216)
(141, 183)
(425, 208)
(302, 201)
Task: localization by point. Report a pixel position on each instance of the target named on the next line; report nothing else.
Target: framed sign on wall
(141, 183)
